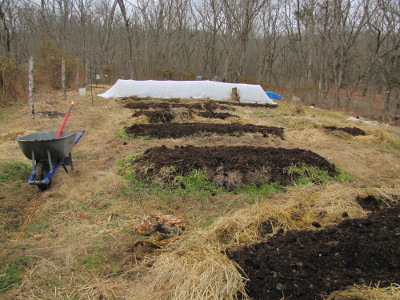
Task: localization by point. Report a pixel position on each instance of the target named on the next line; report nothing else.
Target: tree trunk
(6, 29)
(128, 32)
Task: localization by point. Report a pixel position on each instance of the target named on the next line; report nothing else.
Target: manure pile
(166, 116)
(207, 105)
(228, 166)
(354, 131)
(312, 264)
(179, 130)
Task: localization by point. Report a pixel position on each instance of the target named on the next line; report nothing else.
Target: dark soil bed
(157, 116)
(214, 115)
(208, 105)
(161, 116)
(204, 129)
(227, 166)
(352, 131)
(312, 264)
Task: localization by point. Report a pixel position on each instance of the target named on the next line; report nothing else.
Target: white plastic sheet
(205, 89)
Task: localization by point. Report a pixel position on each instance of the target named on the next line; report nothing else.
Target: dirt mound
(214, 115)
(157, 116)
(312, 264)
(352, 131)
(167, 106)
(161, 116)
(161, 131)
(227, 166)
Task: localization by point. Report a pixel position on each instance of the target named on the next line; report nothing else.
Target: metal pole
(91, 84)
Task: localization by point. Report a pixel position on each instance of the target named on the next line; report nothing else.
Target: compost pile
(214, 115)
(157, 116)
(354, 131)
(165, 116)
(312, 264)
(175, 130)
(167, 106)
(228, 166)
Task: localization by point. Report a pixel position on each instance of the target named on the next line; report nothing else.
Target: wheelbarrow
(49, 150)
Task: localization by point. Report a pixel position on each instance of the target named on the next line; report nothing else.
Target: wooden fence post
(31, 102)
(63, 78)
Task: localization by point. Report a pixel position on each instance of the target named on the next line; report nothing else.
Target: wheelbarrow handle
(65, 120)
(78, 137)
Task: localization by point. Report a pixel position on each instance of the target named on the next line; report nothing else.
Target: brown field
(137, 221)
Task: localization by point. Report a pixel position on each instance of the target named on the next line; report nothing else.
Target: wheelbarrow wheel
(42, 169)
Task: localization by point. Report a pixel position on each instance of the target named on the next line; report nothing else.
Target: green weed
(13, 171)
(36, 228)
(197, 183)
(342, 175)
(95, 259)
(304, 174)
(12, 274)
(121, 132)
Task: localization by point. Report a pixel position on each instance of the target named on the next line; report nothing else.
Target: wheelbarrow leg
(68, 162)
(65, 168)
(49, 159)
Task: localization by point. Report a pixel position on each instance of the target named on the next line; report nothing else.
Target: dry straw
(197, 270)
(294, 210)
(364, 292)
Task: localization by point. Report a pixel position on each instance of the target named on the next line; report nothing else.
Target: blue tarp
(273, 95)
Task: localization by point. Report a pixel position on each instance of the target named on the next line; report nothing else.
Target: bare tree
(122, 7)
(5, 37)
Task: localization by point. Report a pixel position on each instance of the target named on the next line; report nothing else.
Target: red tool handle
(65, 120)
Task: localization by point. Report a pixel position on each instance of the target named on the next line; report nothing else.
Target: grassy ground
(76, 240)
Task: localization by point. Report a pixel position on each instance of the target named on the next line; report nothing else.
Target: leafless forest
(339, 51)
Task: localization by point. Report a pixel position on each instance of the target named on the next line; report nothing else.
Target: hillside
(173, 216)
